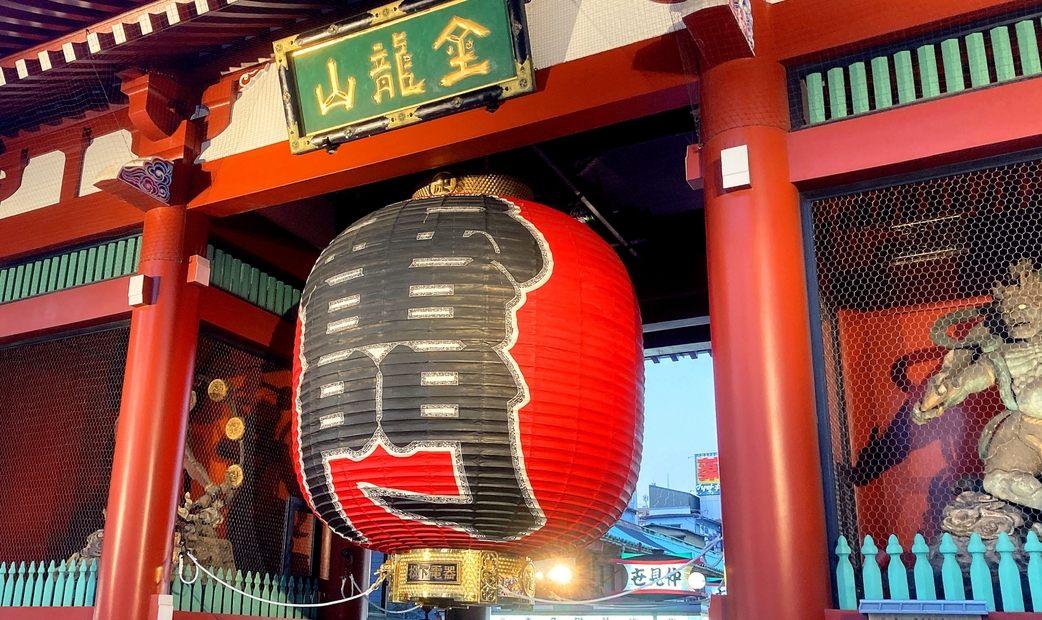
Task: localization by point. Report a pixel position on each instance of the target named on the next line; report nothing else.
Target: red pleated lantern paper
(469, 375)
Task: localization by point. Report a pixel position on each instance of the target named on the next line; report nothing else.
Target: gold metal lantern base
(460, 577)
(493, 184)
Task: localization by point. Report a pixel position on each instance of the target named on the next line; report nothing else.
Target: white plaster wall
(564, 30)
(561, 30)
(257, 119)
(41, 185)
(104, 151)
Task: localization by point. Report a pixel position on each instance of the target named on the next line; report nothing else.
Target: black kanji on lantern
(406, 324)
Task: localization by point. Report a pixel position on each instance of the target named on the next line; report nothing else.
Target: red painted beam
(264, 239)
(599, 90)
(610, 87)
(802, 30)
(960, 127)
(76, 307)
(92, 215)
(73, 218)
(228, 314)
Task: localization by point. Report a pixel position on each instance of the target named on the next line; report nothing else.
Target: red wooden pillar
(343, 560)
(146, 468)
(773, 506)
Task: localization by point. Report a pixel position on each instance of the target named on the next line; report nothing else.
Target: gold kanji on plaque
(337, 97)
(381, 74)
(459, 35)
(407, 83)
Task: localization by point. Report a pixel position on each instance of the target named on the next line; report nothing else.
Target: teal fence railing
(207, 595)
(58, 584)
(70, 268)
(247, 282)
(974, 60)
(1003, 585)
(62, 584)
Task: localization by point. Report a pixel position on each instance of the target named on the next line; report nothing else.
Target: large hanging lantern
(468, 389)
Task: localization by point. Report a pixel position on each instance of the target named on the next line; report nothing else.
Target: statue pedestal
(972, 512)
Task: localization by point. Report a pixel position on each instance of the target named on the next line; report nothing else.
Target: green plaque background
(308, 66)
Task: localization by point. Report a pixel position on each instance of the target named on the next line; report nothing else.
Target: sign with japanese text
(432, 572)
(658, 576)
(401, 64)
(707, 474)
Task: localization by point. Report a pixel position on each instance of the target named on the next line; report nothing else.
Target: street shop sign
(400, 64)
(658, 576)
(707, 474)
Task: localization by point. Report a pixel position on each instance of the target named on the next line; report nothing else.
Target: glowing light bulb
(560, 574)
(696, 580)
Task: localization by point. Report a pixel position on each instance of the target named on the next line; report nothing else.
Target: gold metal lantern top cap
(447, 184)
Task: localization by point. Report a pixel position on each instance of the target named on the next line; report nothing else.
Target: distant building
(677, 513)
(671, 526)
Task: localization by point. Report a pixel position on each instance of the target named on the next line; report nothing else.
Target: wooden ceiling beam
(99, 25)
(279, 19)
(91, 5)
(296, 6)
(33, 20)
(5, 31)
(59, 12)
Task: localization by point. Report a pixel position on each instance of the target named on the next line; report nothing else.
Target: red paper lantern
(469, 375)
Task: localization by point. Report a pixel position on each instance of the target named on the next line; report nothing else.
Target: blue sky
(679, 421)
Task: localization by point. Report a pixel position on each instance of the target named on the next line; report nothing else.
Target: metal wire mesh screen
(907, 281)
(58, 406)
(78, 120)
(238, 461)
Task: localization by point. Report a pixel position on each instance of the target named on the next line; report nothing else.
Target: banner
(658, 576)
(707, 474)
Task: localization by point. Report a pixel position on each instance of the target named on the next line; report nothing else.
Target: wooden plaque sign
(399, 64)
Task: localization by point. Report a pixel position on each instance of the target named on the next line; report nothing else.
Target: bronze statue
(198, 518)
(1011, 443)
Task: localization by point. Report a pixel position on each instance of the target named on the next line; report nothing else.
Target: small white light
(539, 575)
(696, 580)
(560, 574)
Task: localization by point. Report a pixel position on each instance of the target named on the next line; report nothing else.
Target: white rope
(180, 562)
(354, 587)
(636, 590)
(181, 572)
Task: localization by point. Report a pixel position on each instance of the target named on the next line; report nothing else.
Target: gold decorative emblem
(234, 476)
(489, 578)
(192, 400)
(217, 390)
(234, 428)
(464, 576)
(443, 183)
